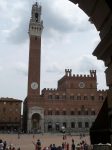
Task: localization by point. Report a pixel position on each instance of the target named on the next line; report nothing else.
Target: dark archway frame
(100, 14)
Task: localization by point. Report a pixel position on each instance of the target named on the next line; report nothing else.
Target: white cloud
(66, 43)
(1, 68)
(88, 62)
(21, 68)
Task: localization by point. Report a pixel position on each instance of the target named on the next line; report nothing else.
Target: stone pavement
(25, 142)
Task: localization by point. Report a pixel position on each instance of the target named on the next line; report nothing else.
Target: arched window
(101, 97)
(56, 96)
(63, 96)
(50, 96)
(79, 112)
(71, 97)
(49, 126)
(65, 124)
(49, 112)
(85, 97)
(93, 112)
(86, 124)
(79, 124)
(72, 112)
(78, 97)
(72, 124)
(86, 112)
(92, 97)
(57, 112)
(64, 112)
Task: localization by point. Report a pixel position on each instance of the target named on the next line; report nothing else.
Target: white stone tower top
(36, 24)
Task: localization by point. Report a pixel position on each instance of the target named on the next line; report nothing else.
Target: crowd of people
(5, 146)
(65, 145)
(38, 146)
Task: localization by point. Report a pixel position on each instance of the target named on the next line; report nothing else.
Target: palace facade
(73, 105)
(10, 114)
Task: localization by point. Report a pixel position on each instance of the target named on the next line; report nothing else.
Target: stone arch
(100, 14)
(35, 120)
(97, 10)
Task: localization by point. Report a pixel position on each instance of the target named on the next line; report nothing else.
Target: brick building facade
(73, 105)
(10, 114)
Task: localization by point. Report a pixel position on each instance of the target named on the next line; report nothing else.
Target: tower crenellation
(36, 24)
(93, 73)
(35, 31)
(68, 72)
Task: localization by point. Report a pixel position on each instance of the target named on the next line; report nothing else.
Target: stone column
(29, 125)
(42, 125)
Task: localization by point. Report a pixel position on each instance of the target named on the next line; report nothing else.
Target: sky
(68, 40)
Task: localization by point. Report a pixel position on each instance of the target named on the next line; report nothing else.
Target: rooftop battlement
(9, 99)
(68, 73)
(101, 91)
(49, 90)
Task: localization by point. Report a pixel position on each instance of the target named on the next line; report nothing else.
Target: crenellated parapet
(9, 99)
(93, 73)
(102, 91)
(68, 73)
(48, 90)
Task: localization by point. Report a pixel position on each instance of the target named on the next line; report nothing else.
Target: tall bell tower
(35, 31)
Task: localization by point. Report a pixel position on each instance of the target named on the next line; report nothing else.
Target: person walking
(73, 145)
(1, 144)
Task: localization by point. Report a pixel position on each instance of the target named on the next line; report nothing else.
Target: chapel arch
(35, 121)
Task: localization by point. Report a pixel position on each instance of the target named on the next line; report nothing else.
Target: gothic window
(64, 112)
(63, 96)
(72, 124)
(86, 112)
(50, 96)
(79, 112)
(85, 97)
(93, 112)
(65, 124)
(86, 125)
(57, 112)
(49, 112)
(72, 112)
(71, 97)
(79, 124)
(56, 96)
(78, 97)
(49, 126)
(92, 97)
(101, 97)
(57, 125)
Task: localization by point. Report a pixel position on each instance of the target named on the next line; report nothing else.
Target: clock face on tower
(81, 84)
(34, 85)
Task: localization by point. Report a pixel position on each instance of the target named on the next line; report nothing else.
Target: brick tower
(32, 113)
(35, 30)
